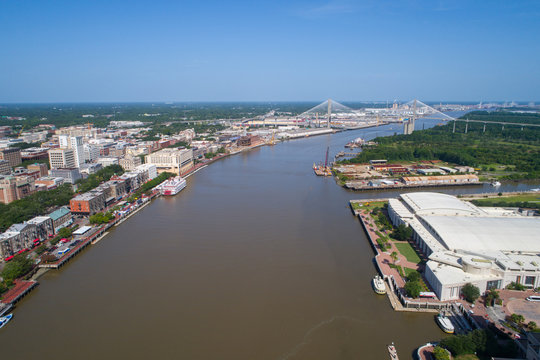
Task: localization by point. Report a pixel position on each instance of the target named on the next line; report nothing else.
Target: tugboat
(378, 285)
(5, 319)
(445, 324)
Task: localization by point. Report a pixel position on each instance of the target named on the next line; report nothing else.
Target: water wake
(307, 336)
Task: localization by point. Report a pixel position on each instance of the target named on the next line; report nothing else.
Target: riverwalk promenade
(387, 267)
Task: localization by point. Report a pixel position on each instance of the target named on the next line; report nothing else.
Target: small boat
(495, 184)
(5, 319)
(445, 324)
(392, 351)
(378, 285)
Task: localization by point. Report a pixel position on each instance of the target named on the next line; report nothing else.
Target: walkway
(21, 288)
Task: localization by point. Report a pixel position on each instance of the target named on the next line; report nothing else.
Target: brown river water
(256, 259)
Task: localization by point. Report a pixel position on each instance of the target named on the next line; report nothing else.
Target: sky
(277, 50)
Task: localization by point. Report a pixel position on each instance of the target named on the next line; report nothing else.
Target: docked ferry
(173, 186)
(445, 324)
(378, 285)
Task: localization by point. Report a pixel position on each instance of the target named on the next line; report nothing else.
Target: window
(529, 280)
(494, 284)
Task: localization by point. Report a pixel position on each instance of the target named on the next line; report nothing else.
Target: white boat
(5, 319)
(378, 285)
(393, 352)
(172, 186)
(495, 184)
(445, 324)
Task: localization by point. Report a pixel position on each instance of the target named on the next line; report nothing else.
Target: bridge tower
(329, 111)
(408, 127)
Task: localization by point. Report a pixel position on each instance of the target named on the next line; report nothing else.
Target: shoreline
(102, 232)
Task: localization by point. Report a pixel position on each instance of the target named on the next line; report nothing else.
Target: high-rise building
(74, 143)
(62, 158)
(91, 152)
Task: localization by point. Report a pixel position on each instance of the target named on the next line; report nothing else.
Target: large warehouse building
(488, 247)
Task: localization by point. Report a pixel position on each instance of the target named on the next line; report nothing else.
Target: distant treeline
(39, 203)
(501, 203)
(511, 146)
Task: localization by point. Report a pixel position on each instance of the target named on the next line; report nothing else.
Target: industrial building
(488, 247)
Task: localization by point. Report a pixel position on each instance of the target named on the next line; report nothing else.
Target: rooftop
(482, 234)
(436, 203)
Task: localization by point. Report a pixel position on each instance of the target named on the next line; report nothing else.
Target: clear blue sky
(87, 51)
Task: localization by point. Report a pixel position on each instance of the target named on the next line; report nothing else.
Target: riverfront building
(488, 247)
(177, 161)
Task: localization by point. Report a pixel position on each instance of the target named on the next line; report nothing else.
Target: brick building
(12, 155)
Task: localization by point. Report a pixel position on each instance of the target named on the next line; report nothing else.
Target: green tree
(491, 297)
(531, 325)
(17, 267)
(402, 232)
(394, 256)
(517, 318)
(440, 353)
(459, 345)
(65, 232)
(413, 288)
(470, 292)
(414, 276)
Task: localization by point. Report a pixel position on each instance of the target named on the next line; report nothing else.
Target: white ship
(378, 285)
(445, 324)
(172, 186)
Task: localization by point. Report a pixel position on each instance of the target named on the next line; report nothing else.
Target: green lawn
(511, 199)
(408, 271)
(406, 250)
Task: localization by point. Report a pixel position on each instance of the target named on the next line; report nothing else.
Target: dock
(17, 292)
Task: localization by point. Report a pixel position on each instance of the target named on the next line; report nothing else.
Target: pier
(17, 292)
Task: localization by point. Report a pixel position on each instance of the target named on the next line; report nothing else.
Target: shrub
(515, 286)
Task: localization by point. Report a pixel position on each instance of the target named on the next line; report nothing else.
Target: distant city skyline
(269, 51)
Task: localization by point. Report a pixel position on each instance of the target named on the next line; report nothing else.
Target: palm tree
(394, 256)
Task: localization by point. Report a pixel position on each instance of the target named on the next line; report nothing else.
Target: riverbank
(386, 265)
(102, 231)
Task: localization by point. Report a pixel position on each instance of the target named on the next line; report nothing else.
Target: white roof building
(466, 244)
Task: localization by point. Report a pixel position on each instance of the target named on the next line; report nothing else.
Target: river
(256, 259)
